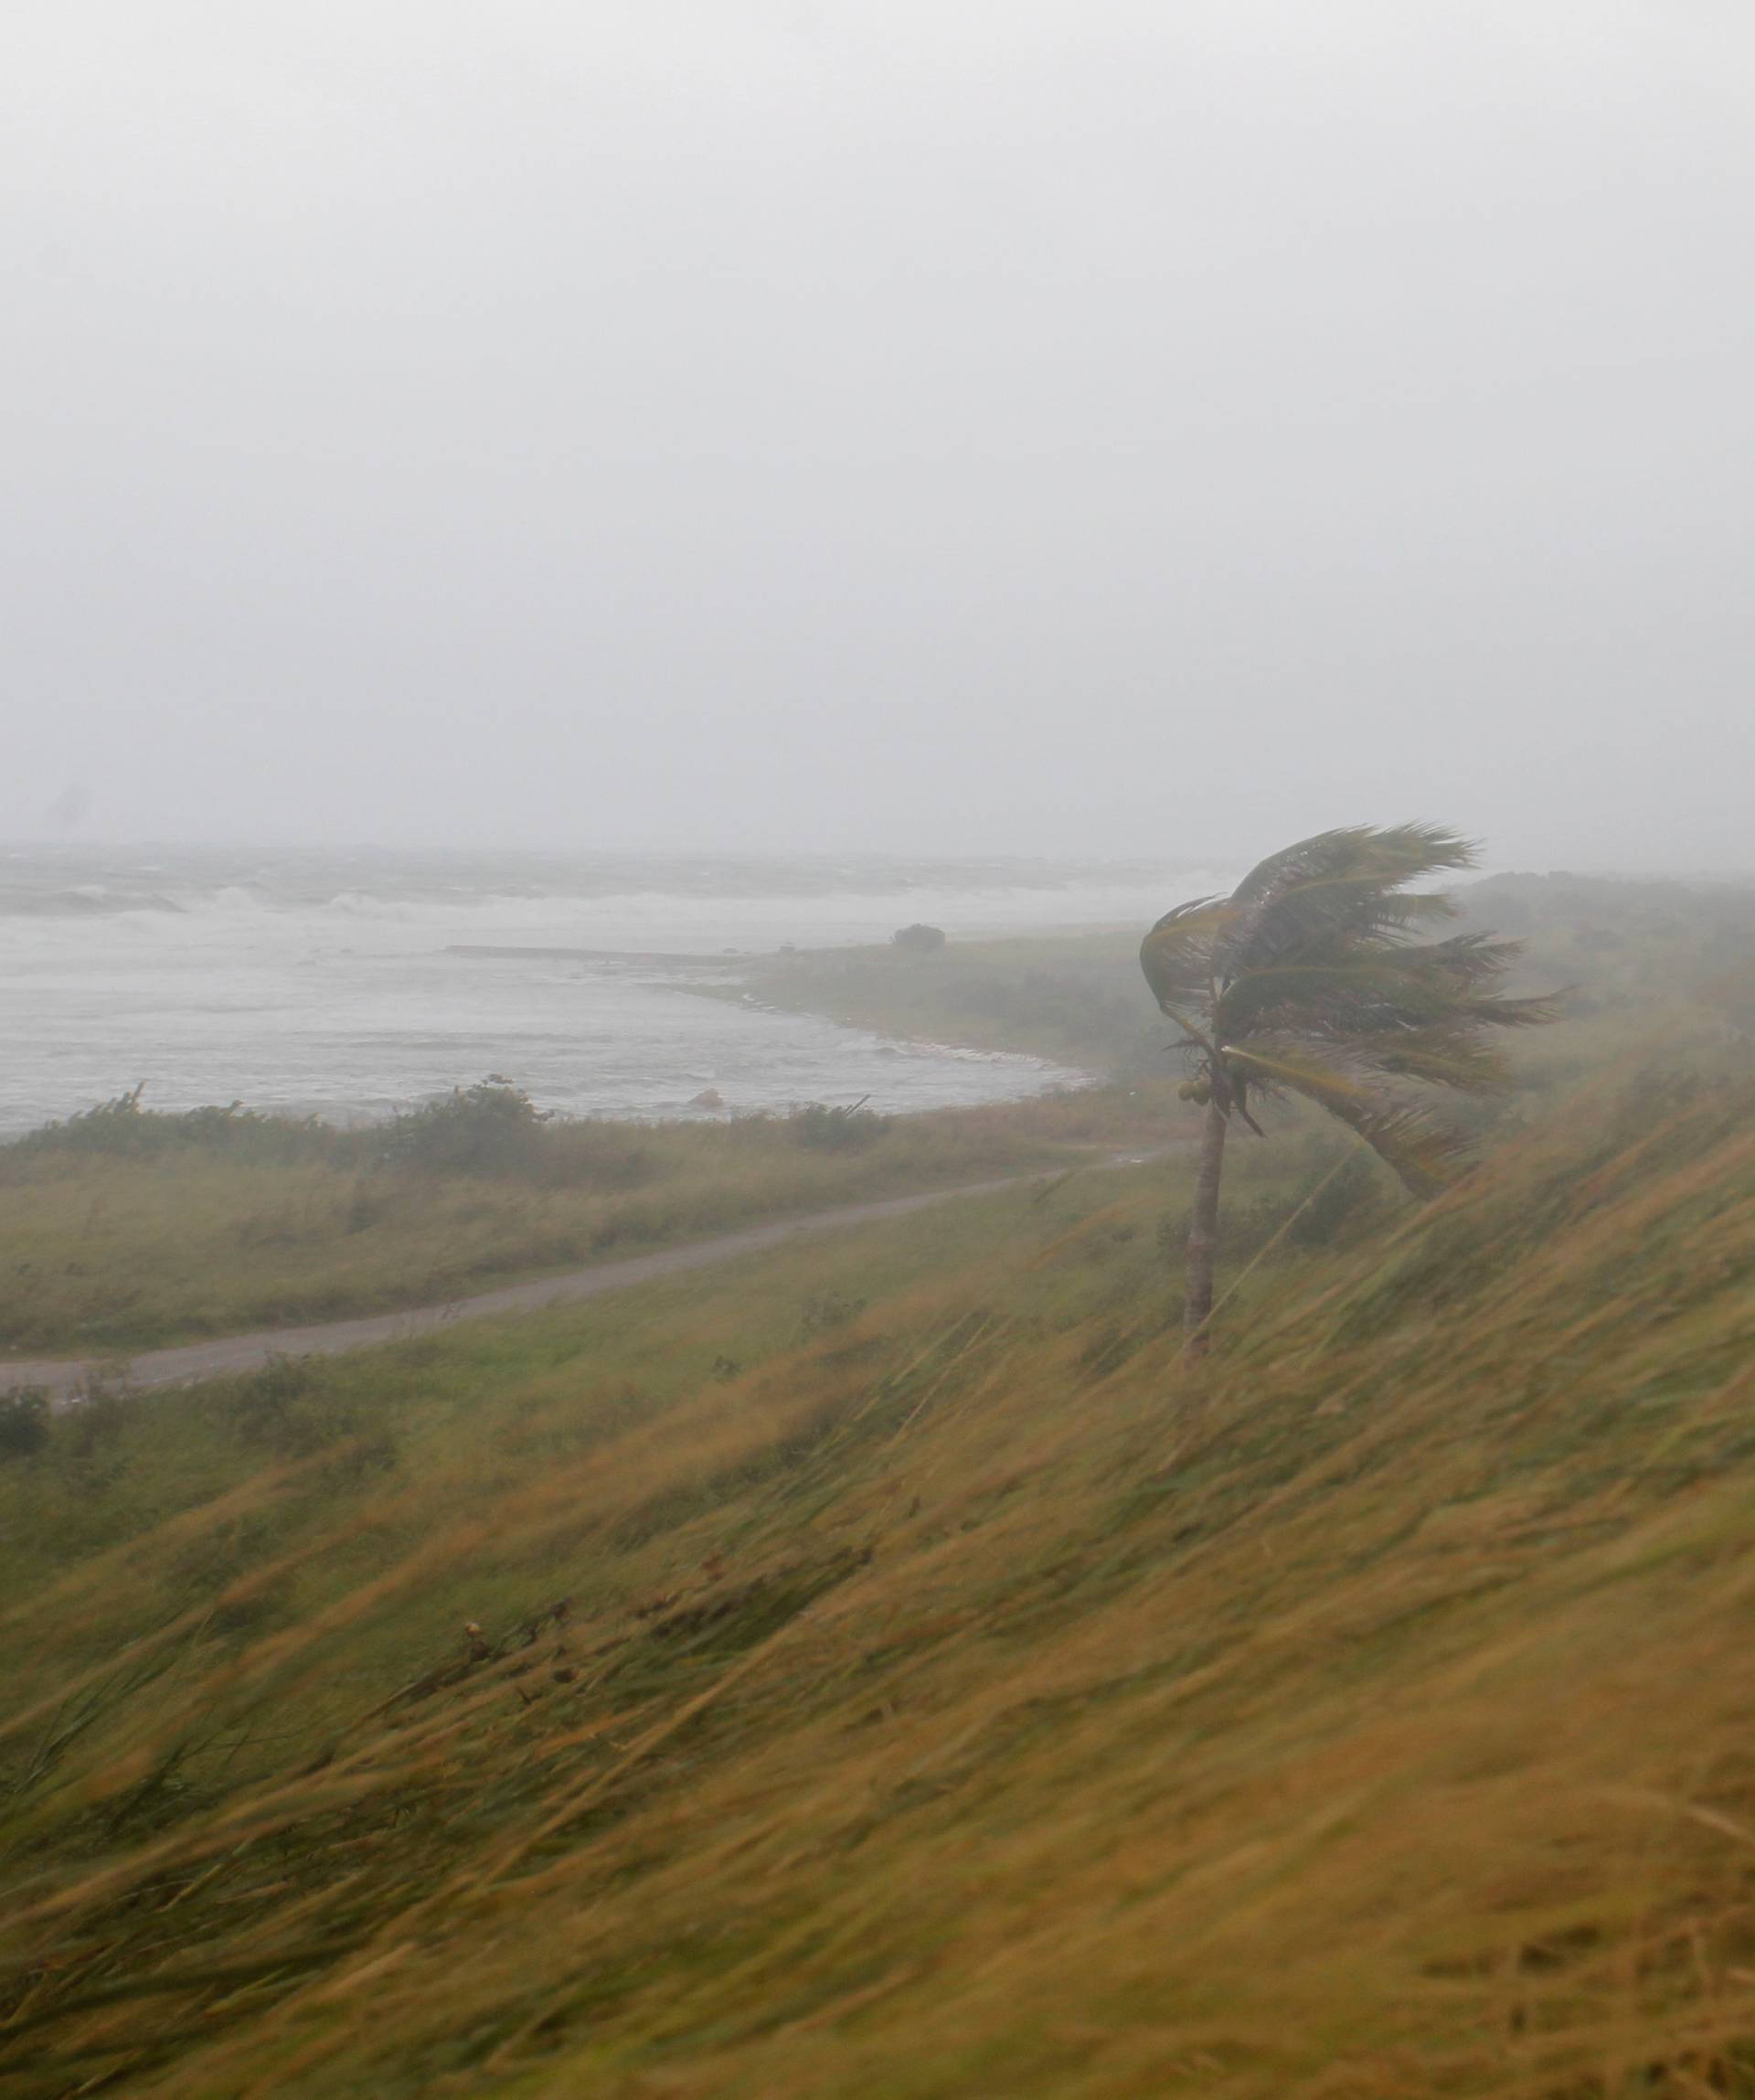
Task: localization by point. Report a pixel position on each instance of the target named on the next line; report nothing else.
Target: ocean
(331, 982)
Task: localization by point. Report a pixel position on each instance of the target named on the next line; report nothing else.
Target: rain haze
(984, 428)
(877, 1138)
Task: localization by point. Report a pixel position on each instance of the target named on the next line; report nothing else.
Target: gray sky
(1035, 425)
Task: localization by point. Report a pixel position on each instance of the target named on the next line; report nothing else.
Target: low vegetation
(887, 1670)
(1072, 998)
(886, 1667)
(123, 1228)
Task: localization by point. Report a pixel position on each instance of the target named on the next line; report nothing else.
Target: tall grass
(123, 1228)
(967, 1699)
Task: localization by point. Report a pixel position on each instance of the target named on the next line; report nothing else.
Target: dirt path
(62, 1378)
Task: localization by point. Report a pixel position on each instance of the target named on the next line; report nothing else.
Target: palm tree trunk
(1203, 1233)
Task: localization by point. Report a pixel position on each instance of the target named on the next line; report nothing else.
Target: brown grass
(970, 1700)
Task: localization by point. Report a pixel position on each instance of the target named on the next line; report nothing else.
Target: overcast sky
(1034, 425)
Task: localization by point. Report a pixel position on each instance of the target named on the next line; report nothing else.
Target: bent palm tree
(1309, 979)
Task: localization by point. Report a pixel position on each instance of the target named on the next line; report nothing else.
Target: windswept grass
(129, 1229)
(943, 1694)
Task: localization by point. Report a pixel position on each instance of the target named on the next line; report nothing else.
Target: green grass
(146, 1228)
(1075, 998)
(955, 1695)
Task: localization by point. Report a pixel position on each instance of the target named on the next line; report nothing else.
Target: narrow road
(62, 1379)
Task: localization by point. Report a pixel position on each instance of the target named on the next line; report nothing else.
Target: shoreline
(885, 1015)
(979, 996)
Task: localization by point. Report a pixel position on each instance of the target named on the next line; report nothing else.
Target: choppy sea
(331, 982)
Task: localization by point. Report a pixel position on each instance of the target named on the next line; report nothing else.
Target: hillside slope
(964, 1700)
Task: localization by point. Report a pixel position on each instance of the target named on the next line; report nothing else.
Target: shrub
(124, 1128)
(24, 1422)
(492, 1127)
(918, 939)
(824, 1129)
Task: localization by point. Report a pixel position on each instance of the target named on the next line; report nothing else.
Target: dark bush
(24, 1422)
(824, 1129)
(493, 1127)
(124, 1128)
(918, 939)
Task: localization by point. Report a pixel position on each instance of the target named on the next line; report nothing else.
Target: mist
(1034, 428)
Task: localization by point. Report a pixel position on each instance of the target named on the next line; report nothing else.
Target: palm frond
(1396, 854)
(1423, 1152)
(1370, 995)
(1441, 1057)
(1535, 1012)
(1176, 956)
(1463, 958)
(1318, 976)
(1350, 881)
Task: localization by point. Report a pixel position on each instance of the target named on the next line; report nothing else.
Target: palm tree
(1310, 979)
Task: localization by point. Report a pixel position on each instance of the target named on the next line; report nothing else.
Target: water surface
(324, 981)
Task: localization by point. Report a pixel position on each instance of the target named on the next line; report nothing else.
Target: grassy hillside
(124, 1228)
(884, 1671)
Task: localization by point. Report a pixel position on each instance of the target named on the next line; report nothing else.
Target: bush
(918, 939)
(824, 1129)
(492, 1127)
(24, 1422)
(124, 1128)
